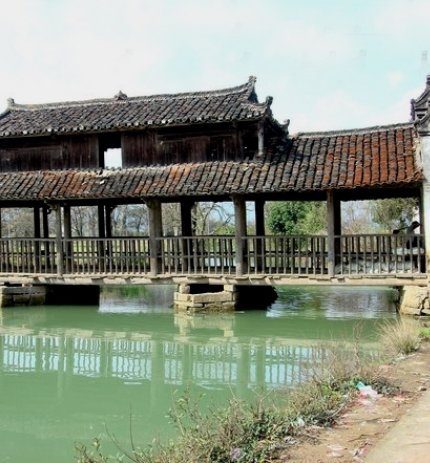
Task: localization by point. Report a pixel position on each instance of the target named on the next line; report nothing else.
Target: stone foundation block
(414, 300)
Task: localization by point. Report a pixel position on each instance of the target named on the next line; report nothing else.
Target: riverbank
(376, 429)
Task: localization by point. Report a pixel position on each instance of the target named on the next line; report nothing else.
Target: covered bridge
(220, 145)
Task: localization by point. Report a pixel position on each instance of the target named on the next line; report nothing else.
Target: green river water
(67, 373)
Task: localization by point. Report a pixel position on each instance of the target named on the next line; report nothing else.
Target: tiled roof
(366, 158)
(121, 112)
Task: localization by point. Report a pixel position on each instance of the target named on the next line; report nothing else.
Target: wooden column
(155, 231)
(102, 235)
(240, 232)
(333, 229)
(45, 223)
(108, 216)
(67, 237)
(36, 221)
(59, 238)
(36, 225)
(101, 220)
(187, 230)
(45, 234)
(260, 232)
(108, 246)
(186, 218)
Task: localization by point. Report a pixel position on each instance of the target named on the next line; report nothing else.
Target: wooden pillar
(186, 218)
(68, 237)
(59, 238)
(187, 230)
(102, 235)
(45, 223)
(108, 247)
(155, 231)
(260, 232)
(108, 216)
(240, 232)
(333, 229)
(46, 210)
(36, 221)
(101, 221)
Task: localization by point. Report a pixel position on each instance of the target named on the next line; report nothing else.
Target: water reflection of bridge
(173, 359)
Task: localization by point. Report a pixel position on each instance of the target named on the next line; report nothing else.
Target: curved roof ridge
(424, 94)
(371, 129)
(248, 90)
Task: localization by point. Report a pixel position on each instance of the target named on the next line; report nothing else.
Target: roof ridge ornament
(10, 102)
(120, 96)
(251, 95)
(420, 107)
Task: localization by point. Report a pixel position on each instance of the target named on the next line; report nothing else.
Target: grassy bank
(263, 430)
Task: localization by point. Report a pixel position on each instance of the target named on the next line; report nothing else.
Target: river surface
(68, 373)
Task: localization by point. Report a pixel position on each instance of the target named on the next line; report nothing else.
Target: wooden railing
(371, 254)
(198, 254)
(28, 255)
(293, 254)
(205, 255)
(107, 255)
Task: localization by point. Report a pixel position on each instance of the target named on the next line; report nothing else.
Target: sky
(328, 64)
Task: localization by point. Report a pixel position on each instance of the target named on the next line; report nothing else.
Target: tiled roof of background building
(365, 158)
(121, 112)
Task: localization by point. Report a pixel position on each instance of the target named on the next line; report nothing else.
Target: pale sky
(328, 64)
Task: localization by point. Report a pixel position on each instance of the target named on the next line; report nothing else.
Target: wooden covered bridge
(218, 146)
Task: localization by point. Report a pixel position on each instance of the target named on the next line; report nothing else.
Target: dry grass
(400, 337)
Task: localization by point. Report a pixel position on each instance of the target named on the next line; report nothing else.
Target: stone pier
(221, 298)
(22, 295)
(414, 300)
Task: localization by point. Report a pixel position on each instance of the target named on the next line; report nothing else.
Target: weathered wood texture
(139, 148)
(45, 153)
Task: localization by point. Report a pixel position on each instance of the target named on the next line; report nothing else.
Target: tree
(296, 217)
(393, 213)
(84, 221)
(356, 218)
(213, 218)
(17, 222)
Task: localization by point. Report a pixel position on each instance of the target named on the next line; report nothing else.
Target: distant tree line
(282, 218)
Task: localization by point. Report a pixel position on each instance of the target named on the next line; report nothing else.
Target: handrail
(216, 255)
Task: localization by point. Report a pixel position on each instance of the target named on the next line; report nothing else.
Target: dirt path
(365, 421)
